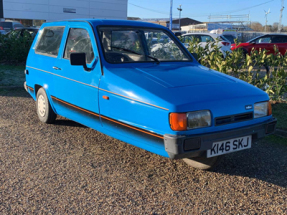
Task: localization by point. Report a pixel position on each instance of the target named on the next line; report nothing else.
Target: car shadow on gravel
(265, 161)
(66, 122)
(14, 92)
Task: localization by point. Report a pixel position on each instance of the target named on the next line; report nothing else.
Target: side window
(50, 40)
(206, 38)
(79, 41)
(18, 26)
(264, 40)
(279, 39)
(188, 39)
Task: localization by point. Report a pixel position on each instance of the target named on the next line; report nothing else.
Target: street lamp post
(170, 16)
(179, 15)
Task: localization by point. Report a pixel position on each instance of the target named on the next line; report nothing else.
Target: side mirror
(253, 42)
(79, 59)
(195, 56)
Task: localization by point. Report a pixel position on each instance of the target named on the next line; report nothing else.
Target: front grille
(233, 119)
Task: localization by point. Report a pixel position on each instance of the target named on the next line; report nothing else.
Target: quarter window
(79, 41)
(50, 40)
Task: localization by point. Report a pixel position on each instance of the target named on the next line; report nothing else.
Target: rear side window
(79, 41)
(279, 39)
(50, 40)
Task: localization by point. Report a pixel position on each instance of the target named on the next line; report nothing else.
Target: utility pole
(280, 19)
(266, 13)
(179, 15)
(170, 16)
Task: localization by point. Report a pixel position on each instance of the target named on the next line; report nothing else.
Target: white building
(52, 10)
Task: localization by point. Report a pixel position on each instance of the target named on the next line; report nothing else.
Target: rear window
(50, 40)
(6, 25)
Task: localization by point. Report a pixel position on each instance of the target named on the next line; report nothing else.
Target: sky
(201, 9)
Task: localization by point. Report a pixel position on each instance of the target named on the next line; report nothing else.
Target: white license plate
(228, 146)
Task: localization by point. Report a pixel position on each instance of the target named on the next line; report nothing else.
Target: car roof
(108, 22)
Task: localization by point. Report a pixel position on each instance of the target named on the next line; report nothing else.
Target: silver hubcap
(41, 105)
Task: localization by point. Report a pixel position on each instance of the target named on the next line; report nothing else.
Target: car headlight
(190, 120)
(262, 109)
(198, 119)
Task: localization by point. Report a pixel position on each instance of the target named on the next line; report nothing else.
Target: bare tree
(256, 26)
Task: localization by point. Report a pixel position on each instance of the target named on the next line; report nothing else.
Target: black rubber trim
(174, 145)
(76, 108)
(121, 125)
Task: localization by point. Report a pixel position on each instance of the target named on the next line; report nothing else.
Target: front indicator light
(178, 121)
(262, 109)
(269, 109)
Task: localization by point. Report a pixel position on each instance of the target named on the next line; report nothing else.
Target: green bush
(263, 70)
(14, 48)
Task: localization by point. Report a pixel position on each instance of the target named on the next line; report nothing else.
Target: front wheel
(43, 107)
(202, 162)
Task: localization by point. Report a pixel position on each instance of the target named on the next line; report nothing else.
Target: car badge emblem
(248, 107)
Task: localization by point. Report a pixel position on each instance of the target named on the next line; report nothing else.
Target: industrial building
(35, 12)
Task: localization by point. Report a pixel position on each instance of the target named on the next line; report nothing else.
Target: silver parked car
(222, 43)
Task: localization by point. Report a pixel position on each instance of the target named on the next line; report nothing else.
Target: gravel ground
(67, 168)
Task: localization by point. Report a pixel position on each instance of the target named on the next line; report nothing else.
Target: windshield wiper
(131, 51)
(154, 58)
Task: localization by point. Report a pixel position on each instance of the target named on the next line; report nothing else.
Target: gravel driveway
(67, 168)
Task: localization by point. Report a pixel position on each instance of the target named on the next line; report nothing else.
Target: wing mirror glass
(79, 59)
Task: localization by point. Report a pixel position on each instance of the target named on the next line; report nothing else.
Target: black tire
(43, 107)
(203, 163)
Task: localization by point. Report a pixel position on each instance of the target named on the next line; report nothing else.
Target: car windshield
(127, 45)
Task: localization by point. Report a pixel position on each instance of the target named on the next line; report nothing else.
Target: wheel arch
(37, 87)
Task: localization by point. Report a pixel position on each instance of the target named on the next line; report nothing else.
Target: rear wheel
(202, 162)
(43, 107)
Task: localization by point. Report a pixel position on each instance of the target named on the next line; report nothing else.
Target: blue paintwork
(140, 94)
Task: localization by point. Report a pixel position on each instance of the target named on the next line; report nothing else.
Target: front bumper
(197, 145)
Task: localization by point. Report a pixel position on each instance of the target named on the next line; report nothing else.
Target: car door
(204, 40)
(281, 42)
(264, 43)
(42, 57)
(76, 94)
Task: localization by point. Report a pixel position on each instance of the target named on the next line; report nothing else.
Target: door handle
(56, 68)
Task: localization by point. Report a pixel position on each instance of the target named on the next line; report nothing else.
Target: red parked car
(266, 41)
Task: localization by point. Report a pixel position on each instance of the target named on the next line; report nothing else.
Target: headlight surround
(262, 109)
(198, 119)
